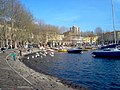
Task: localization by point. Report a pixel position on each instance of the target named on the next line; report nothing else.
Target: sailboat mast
(113, 20)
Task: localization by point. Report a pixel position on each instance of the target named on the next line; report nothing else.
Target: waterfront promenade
(14, 75)
(9, 80)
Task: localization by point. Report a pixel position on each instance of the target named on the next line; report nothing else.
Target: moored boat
(108, 52)
(109, 46)
(74, 50)
(62, 50)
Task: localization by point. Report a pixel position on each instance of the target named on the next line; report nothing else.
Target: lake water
(81, 69)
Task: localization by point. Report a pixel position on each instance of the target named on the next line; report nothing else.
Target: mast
(113, 20)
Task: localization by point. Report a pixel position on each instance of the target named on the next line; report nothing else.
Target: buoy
(52, 54)
(32, 56)
(28, 58)
(41, 56)
(36, 56)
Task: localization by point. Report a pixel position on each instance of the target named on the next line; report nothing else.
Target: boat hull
(62, 50)
(106, 54)
(109, 46)
(74, 51)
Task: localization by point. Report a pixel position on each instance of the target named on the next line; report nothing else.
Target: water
(82, 69)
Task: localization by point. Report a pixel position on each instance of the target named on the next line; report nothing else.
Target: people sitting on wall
(3, 49)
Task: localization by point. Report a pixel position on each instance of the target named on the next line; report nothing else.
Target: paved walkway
(9, 80)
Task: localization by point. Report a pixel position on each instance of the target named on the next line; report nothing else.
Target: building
(109, 38)
(54, 39)
(90, 40)
(73, 36)
(75, 30)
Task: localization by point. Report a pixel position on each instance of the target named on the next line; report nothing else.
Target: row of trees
(18, 24)
(98, 31)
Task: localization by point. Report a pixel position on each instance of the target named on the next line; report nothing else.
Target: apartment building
(73, 36)
(109, 37)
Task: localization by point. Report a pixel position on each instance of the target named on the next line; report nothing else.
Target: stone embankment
(9, 80)
(14, 75)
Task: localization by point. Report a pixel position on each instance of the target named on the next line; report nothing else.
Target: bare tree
(63, 29)
(99, 31)
(23, 25)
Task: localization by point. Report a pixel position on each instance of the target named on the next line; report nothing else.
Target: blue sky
(87, 14)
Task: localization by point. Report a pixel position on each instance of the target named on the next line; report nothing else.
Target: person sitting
(3, 49)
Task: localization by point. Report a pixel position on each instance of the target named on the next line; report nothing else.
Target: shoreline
(63, 81)
(9, 80)
(42, 80)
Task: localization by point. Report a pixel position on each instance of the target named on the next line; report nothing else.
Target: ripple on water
(83, 69)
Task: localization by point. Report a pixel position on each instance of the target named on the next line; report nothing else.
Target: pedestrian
(3, 49)
(20, 52)
(14, 56)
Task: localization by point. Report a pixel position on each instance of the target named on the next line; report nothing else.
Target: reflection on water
(82, 69)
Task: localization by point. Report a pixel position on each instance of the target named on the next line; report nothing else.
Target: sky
(86, 14)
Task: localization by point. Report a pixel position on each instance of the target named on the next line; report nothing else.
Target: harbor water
(81, 69)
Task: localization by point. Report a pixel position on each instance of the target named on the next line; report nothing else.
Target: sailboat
(111, 50)
(108, 52)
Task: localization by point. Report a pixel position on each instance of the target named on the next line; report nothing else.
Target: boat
(109, 46)
(62, 50)
(107, 52)
(74, 50)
